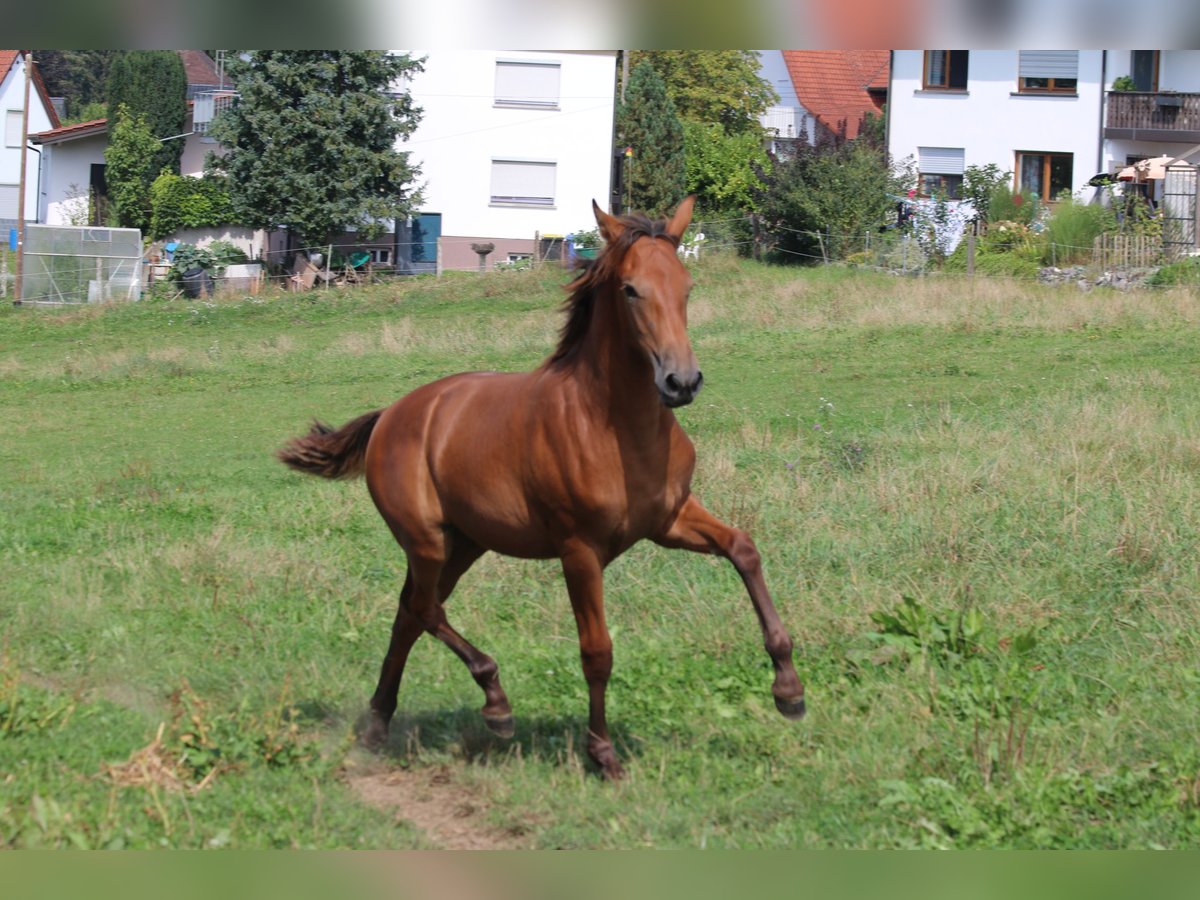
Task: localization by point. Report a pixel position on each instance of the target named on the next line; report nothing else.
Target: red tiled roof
(66, 132)
(839, 86)
(198, 66)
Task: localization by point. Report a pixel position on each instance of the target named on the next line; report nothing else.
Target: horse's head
(655, 286)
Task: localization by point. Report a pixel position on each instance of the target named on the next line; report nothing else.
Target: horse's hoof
(375, 736)
(614, 771)
(501, 727)
(791, 709)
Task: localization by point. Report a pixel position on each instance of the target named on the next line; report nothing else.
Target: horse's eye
(631, 292)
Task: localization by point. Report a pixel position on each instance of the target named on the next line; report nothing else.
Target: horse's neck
(615, 372)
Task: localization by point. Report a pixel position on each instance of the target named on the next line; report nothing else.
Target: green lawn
(977, 504)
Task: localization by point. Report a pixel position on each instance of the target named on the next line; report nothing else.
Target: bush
(1186, 271)
(178, 202)
(1006, 206)
(1072, 229)
(1006, 248)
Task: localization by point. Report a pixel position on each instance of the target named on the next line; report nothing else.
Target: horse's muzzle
(676, 391)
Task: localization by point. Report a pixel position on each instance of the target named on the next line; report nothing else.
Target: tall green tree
(311, 143)
(153, 85)
(656, 174)
(78, 76)
(713, 86)
(719, 96)
(724, 170)
(130, 168)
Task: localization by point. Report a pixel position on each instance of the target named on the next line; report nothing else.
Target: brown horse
(579, 460)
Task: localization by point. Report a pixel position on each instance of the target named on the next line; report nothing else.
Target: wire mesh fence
(66, 265)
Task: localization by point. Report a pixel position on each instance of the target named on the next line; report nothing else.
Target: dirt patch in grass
(451, 814)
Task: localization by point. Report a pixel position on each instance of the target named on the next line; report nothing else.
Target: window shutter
(527, 84)
(12, 128)
(1048, 64)
(941, 160)
(8, 201)
(519, 181)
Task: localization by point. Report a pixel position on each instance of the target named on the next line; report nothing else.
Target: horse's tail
(329, 453)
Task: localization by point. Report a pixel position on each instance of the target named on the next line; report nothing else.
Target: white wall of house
(66, 176)
(990, 121)
(466, 130)
(196, 148)
(789, 118)
(12, 102)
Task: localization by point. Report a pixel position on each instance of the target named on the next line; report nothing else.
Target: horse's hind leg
(432, 582)
(408, 626)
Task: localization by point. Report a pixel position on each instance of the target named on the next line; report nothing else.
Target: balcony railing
(1153, 116)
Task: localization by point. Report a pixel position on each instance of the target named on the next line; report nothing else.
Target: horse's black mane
(597, 272)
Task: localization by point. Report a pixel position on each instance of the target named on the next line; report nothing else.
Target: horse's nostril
(673, 383)
(699, 379)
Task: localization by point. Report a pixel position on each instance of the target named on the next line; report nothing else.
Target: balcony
(1142, 116)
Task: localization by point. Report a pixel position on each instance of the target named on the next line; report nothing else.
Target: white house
(1035, 113)
(1049, 116)
(72, 187)
(1160, 116)
(823, 94)
(41, 117)
(512, 144)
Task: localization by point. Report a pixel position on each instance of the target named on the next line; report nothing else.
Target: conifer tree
(153, 86)
(656, 174)
(310, 144)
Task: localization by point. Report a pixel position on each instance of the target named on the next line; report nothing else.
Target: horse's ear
(682, 217)
(610, 226)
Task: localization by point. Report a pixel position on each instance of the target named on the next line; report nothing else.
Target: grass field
(977, 504)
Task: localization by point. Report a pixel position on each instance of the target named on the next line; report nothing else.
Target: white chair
(692, 248)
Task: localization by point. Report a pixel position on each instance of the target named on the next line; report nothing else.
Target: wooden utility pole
(20, 269)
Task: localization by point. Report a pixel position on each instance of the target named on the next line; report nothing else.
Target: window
(12, 128)
(940, 171)
(1048, 71)
(945, 70)
(1044, 175)
(519, 182)
(1143, 66)
(9, 198)
(380, 256)
(527, 85)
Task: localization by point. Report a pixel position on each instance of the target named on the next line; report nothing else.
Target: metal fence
(67, 264)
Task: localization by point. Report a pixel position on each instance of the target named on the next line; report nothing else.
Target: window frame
(1157, 59)
(955, 183)
(926, 85)
(1047, 194)
(948, 168)
(1053, 84)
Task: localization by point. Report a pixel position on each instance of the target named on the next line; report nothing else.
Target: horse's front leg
(696, 529)
(584, 573)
